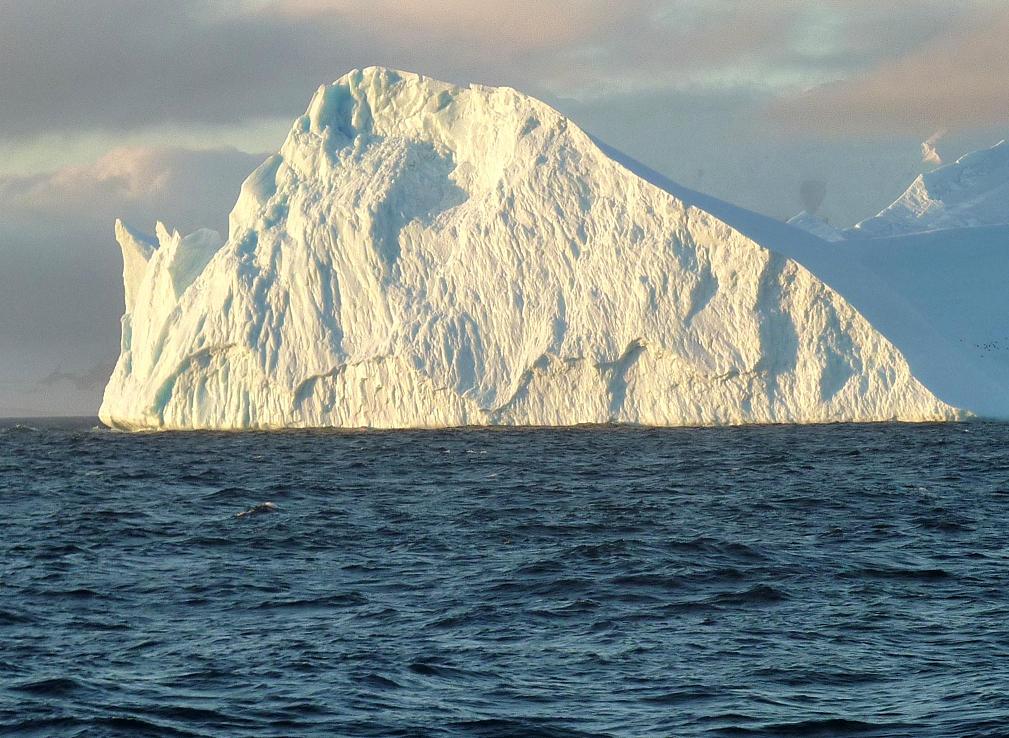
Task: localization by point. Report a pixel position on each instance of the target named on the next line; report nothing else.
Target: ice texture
(423, 255)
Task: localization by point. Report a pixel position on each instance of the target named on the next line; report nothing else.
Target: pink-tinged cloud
(188, 188)
(125, 65)
(514, 27)
(60, 268)
(958, 80)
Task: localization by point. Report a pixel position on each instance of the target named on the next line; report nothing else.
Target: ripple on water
(834, 581)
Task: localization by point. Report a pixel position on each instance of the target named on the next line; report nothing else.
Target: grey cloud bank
(121, 64)
(60, 287)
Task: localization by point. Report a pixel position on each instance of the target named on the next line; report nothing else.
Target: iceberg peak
(137, 252)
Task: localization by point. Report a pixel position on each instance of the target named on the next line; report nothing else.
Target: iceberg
(420, 254)
(973, 191)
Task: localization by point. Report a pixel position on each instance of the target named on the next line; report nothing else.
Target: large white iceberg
(420, 254)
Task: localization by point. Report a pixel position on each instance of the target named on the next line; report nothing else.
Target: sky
(157, 111)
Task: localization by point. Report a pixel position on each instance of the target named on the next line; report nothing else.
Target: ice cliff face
(420, 254)
(973, 191)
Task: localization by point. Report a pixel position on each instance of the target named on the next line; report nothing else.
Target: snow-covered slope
(817, 226)
(973, 191)
(420, 254)
(941, 297)
(955, 281)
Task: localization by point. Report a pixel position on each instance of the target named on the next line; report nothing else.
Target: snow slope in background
(940, 297)
(817, 226)
(421, 254)
(973, 191)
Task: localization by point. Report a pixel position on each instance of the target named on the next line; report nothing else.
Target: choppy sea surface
(764, 581)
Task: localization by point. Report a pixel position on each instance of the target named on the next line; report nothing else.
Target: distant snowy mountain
(971, 192)
(817, 226)
(421, 254)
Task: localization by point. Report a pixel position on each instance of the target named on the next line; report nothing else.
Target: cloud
(123, 64)
(184, 187)
(61, 291)
(957, 79)
(590, 47)
(118, 65)
(514, 28)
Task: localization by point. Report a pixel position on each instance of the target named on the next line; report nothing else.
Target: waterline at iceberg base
(421, 255)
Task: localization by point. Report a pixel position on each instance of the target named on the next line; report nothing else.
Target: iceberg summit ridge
(420, 254)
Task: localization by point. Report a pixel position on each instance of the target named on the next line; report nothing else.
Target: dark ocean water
(833, 580)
